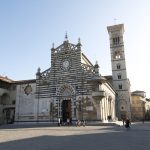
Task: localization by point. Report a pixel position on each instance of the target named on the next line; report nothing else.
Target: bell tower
(119, 72)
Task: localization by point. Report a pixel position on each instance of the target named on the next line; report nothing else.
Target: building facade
(140, 107)
(73, 87)
(7, 100)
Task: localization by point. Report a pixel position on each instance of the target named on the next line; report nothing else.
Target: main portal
(66, 110)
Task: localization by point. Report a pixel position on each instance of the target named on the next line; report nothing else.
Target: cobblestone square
(75, 138)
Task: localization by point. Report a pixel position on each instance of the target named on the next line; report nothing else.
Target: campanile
(119, 71)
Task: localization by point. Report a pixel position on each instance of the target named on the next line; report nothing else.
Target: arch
(116, 40)
(119, 75)
(65, 95)
(117, 55)
(5, 99)
(65, 90)
(118, 66)
(120, 86)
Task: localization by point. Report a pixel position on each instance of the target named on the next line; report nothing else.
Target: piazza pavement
(92, 137)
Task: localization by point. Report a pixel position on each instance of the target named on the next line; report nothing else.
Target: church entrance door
(66, 110)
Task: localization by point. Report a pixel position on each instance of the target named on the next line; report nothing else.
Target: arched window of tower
(117, 55)
(120, 86)
(116, 40)
(119, 75)
(118, 66)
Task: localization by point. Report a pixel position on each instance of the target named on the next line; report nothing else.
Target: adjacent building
(140, 107)
(7, 100)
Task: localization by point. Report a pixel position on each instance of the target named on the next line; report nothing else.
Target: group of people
(126, 122)
(80, 123)
(68, 122)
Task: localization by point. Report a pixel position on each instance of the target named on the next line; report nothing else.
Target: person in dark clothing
(127, 123)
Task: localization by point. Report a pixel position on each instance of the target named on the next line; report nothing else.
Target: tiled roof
(137, 91)
(6, 79)
(108, 77)
(25, 81)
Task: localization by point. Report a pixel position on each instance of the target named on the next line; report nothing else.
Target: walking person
(59, 122)
(123, 121)
(83, 123)
(78, 123)
(127, 123)
(68, 121)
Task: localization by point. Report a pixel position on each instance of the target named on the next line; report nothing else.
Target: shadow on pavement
(112, 139)
(27, 125)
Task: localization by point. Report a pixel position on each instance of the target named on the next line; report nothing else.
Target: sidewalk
(139, 125)
(136, 125)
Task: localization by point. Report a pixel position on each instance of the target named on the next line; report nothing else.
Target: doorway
(66, 110)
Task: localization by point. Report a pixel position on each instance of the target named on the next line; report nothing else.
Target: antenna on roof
(115, 20)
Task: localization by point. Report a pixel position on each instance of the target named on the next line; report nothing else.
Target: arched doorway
(66, 110)
(7, 109)
(66, 99)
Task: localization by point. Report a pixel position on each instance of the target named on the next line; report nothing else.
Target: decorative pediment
(87, 68)
(66, 46)
(45, 74)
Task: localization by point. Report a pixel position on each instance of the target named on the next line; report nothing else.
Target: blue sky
(29, 27)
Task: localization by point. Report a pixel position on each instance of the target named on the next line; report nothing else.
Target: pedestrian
(59, 122)
(78, 123)
(123, 121)
(68, 121)
(127, 123)
(83, 123)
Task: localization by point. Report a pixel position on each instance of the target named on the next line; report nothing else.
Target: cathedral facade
(74, 88)
(71, 88)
